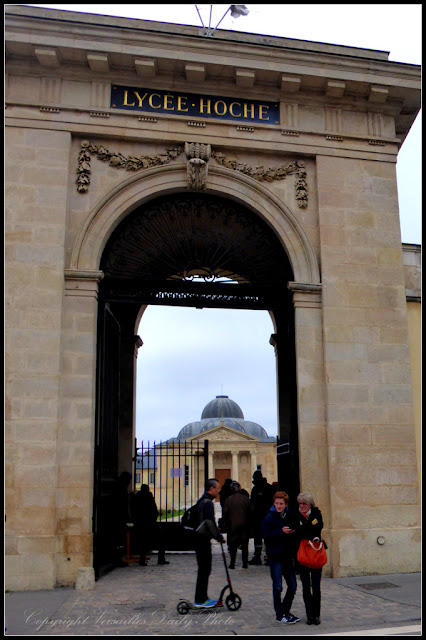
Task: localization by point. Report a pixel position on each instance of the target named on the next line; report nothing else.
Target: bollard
(85, 580)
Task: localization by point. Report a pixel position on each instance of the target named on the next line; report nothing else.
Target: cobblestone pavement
(137, 600)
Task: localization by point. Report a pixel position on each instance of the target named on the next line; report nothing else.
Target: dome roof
(222, 407)
(223, 411)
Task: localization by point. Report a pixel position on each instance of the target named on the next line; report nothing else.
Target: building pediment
(223, 432)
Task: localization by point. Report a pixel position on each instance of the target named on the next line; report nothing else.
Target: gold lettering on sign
(231, 111)
(139, 98)
(132, 104)
(216, 108)
(180, 105)
(195, 105)
(261, 108)
(154, 106)
(245, 108)
(168, 97)
(208, 105)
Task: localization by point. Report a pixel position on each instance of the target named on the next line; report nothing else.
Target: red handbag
(312, 553)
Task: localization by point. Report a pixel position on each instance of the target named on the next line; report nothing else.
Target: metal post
(206, 461)
(135, 456)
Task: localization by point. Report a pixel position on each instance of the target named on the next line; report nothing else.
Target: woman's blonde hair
(306, 497)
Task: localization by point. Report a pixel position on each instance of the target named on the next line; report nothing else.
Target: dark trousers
(150, 537)
(233, 551)
(203, 551)
(258, 540)
(311, 586)
(279, 568)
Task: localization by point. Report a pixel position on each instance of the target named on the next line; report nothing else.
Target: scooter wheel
(233, 602)
(183, 607)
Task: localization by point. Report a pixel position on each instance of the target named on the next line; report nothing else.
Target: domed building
(237, 447)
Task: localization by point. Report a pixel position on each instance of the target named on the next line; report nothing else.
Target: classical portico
(237, 447)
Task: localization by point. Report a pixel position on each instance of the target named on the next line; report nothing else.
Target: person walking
(148, 531)
(236, 516)
(279, 532)
(309, 527)
(260, 503)
(225, 492)
(205, 532)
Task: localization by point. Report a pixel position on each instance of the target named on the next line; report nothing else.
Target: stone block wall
(372, 456)
(37, 165)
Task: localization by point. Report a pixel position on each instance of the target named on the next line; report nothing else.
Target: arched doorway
(185, 249)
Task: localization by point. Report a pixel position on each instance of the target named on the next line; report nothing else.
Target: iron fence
(175, 473)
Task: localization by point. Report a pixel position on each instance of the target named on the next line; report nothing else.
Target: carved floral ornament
(198, 156)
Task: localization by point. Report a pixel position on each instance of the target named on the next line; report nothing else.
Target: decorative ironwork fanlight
(195, 237)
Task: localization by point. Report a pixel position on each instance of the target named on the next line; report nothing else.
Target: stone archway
(88, 268)
(148, 184)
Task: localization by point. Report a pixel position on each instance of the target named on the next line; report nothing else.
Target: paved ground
(138, 600)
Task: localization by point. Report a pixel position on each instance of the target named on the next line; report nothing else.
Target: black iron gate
(175, 473)
(106, 442)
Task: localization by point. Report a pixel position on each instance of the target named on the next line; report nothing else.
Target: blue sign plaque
(194, 105)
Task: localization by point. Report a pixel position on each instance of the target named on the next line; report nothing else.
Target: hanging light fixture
(236, 10)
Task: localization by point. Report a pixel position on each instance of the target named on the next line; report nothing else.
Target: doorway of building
(221, 475)
(186, 249)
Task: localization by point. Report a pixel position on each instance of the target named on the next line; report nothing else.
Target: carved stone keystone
(198, 156)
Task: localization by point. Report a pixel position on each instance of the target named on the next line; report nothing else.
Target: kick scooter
(232, 600)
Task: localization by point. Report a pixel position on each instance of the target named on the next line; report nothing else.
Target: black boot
(316, 607)
(162, 559)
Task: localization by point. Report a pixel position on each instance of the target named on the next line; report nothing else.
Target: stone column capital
(82, 283)
(306, 294)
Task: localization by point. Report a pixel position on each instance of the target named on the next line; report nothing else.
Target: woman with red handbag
(310, 527)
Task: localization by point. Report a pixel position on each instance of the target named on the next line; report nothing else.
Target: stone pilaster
(76, 430)
(234, 472)
(253, 462)
(313, 459)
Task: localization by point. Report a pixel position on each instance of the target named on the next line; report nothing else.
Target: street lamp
(236, 10)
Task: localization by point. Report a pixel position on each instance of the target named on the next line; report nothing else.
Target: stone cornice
(100, 47)
(130, 27)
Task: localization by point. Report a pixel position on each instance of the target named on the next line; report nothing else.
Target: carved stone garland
(279, 173)
(131, 163)
(198, 156)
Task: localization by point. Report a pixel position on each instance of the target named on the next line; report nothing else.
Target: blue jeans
(280, 567)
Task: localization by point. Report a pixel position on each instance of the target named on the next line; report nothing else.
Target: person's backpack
(191, 518)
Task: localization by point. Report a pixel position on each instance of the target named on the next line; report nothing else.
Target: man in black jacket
(260, 502)
(205, 532)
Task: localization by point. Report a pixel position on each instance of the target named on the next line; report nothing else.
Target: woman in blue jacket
(278, 529)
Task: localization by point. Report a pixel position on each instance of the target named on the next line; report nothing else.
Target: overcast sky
(189, 356)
